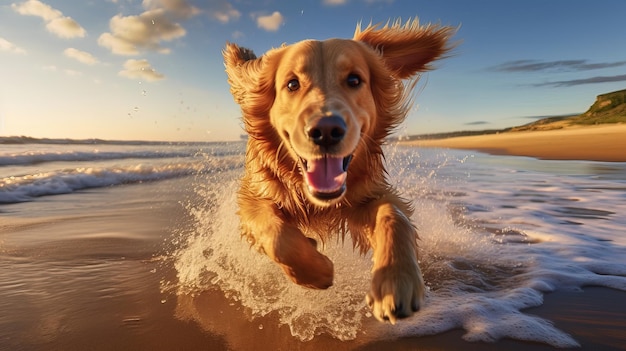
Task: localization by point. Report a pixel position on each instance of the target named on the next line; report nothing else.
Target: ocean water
(496, 234)
(31, 170)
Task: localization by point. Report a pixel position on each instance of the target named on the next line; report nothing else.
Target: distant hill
(451, 134)
(608, 108)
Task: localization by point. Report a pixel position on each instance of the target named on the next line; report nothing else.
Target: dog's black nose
(327, 131)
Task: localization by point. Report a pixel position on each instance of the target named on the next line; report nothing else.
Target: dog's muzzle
(326, 177)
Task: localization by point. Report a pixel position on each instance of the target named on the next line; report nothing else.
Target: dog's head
(329, 102)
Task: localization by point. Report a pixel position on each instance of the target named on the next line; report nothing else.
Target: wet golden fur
(278, 211)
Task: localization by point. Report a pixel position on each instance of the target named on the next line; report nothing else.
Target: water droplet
(152, 21)
(163, 301)
(260, 326)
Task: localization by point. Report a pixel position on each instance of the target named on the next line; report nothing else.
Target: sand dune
(595, 143)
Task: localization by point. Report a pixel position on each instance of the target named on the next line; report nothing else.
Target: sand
(593, 143)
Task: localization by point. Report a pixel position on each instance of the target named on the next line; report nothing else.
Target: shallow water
(141, 246)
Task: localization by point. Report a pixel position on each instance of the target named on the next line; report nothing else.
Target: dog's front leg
(285, 244)
(397, 288)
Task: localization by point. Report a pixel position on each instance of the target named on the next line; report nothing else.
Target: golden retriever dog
(317, 114)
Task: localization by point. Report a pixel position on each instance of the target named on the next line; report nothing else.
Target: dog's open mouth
(326, 176)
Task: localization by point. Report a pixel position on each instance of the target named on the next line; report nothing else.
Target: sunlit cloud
(56, 23)
(67, 71)
(80, 56)
(72, 73)
(65, 27)
(224, 12)
(130, 34)
(141, 70)
(270, 23)
(180, 8)
(37, 8)
(8, 46)
(335, 2)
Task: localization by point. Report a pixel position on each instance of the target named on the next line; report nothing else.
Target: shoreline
(606, 143)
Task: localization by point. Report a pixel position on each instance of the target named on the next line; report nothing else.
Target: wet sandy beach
(594, 143)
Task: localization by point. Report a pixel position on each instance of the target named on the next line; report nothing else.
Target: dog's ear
(407, 49)
(243, 69)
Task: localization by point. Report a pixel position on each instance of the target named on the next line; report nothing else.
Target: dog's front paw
(302, 263)
(315, 272)
(396, 292)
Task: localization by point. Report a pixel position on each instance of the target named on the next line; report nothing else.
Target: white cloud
(80, 56)
(180, 8)
(56, 23)
(140, 69)
(6, 45)
(270, 23)
(130, 34)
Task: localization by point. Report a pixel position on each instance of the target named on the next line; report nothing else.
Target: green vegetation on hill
(608, 108)
(548, 123)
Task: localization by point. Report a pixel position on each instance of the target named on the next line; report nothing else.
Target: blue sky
(152, 69)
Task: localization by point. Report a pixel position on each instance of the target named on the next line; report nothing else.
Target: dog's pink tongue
(325, 175)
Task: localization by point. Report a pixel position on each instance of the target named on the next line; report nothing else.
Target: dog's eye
(293, 85)
(353, 80)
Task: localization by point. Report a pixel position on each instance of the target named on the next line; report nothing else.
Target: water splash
(215, 255)
(481, 270)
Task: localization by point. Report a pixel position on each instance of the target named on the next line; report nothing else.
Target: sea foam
(485, 253)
